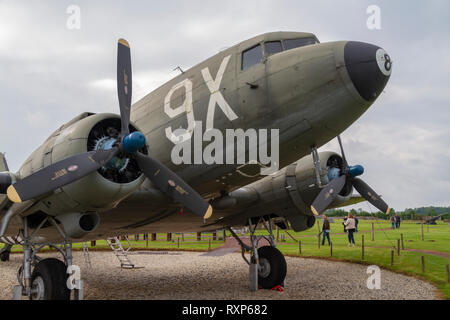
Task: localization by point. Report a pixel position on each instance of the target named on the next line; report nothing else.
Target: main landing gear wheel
(272, 267)
(48, 281)
(267, 264)
(4, 256)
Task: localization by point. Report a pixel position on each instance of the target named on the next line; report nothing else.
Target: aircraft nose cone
(369, 68)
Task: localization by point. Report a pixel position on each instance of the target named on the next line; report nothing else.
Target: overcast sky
(49, 73)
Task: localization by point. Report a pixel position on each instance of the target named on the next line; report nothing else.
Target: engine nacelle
(100, 190)
(288, 194)
(306, 180)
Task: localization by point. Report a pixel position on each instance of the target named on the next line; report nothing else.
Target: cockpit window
(297, 43)
(251, 57)
(273, 47)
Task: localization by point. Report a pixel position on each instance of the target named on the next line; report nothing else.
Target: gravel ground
(193, 276)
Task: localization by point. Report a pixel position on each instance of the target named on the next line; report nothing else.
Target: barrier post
(362, 258)
(423, 264)
(448, 273)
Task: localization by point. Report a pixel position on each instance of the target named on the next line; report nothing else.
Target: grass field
(435, 247)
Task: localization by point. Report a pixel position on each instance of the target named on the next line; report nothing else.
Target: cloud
(37, 119)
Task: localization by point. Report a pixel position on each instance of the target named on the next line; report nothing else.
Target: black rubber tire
(278, 267)
(4, 256)
(53, 273)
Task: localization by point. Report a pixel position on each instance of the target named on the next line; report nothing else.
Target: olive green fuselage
(305, 93)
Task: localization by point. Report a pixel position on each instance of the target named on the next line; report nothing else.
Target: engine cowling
(331, 165)
(100, 190)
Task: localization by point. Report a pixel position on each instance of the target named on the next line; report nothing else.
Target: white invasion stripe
(11, 240)
(6, 240)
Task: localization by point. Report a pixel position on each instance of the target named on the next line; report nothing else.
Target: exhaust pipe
(77, 225)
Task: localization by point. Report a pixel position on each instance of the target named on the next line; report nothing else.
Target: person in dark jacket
(326, 229)
(356, 224)
(397, 221)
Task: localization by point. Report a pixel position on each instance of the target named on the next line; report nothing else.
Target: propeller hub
(356, 171)
(133, 142)
(107, 143)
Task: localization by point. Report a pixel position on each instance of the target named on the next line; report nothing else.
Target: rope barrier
(382, 229)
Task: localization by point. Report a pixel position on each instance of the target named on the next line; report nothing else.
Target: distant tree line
(408, 214)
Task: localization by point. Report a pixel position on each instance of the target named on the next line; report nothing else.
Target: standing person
(393, 222)
(326, 229)
(397, 221)
(343, 223)
(350, 225)
(356, 224)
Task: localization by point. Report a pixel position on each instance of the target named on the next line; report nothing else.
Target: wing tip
(13, 195)
(388, 211)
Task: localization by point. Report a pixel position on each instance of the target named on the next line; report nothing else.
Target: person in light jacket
(350, 225)
(393, 222)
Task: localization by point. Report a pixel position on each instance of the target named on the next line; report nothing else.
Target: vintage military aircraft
(432, 221)
(103, 175)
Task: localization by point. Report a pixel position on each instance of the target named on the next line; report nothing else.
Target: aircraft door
(252, 85)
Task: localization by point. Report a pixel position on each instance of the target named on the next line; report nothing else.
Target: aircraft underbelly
(126, 221)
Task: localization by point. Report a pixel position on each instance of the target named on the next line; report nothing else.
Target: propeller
(76, 167)
(347, 174)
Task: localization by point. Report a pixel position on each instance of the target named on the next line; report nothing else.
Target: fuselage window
(297, 43)
(273, 47)
(252, 57)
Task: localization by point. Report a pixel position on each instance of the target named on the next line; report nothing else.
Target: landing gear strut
(267, 264)
(49, 279)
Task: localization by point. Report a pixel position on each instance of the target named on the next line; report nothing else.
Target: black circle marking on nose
(364, 70)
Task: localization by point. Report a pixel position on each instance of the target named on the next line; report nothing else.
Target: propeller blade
(327, 195)
(367, 193)
(124, 84)
(172, 185)
(59, 174)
